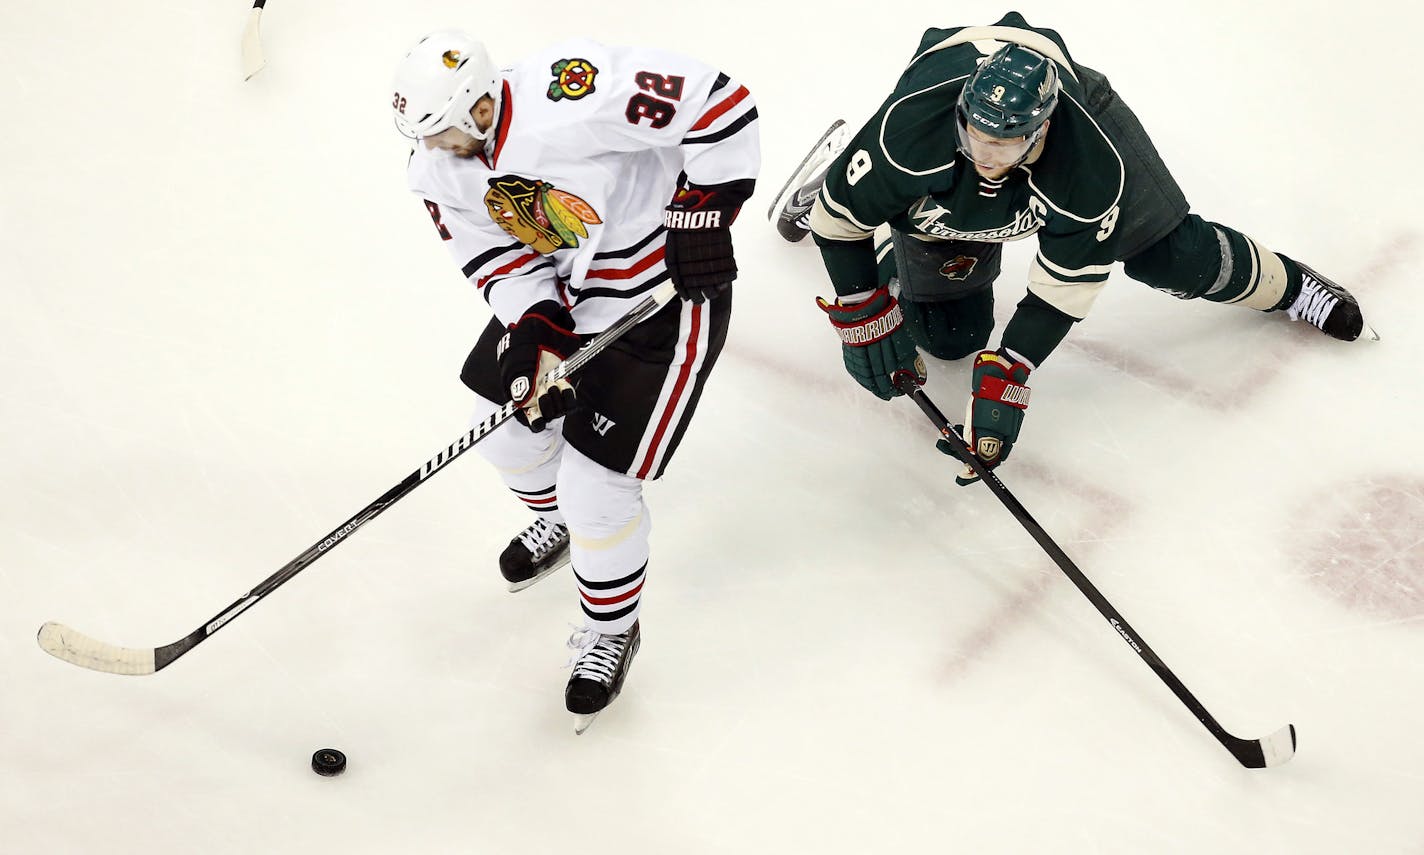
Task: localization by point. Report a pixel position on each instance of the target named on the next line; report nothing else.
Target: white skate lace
(1314, 302)
(541, 537)
(596, 656)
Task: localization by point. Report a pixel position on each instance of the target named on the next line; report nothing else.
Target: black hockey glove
(996, 410)
(698, 251)
(540, 340)
(874, 342)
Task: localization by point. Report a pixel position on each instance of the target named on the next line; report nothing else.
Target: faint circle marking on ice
(1364, 545)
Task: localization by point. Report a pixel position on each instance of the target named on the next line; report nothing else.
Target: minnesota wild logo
(573, 79)
(538, 214)
(958, 268)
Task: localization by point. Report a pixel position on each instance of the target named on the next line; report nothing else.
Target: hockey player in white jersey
(567, 187)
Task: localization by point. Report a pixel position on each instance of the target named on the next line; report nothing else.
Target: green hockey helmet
(1011, 94)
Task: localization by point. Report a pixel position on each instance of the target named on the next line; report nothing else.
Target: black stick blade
(1273, 750)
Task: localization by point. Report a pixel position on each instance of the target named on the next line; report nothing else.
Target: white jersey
(566, 202)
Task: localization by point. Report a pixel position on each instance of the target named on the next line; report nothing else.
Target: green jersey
(904, 168)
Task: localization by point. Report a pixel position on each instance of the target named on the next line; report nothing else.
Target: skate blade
(582, 722)
(806, 168)
(516, 587)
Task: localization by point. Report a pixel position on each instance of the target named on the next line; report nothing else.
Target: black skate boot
(600, 664)
(1327, 306)
(538, 551)
(792, 207)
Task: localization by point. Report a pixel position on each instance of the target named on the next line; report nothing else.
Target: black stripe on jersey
(722, 80)
(621, 293)
(632, 250)
(616, 583)
(489, 286)
(725, 132)
(609, 616)
(486, 257)
(534, 492)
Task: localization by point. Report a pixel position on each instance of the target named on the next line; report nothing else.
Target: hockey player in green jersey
(994, 134)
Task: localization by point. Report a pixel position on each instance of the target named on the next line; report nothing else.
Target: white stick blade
(1279, 746)
(76, 648)
(252, 60)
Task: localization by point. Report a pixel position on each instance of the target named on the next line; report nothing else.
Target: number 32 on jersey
(655, 102)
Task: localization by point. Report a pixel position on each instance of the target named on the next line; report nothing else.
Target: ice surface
(227, 327)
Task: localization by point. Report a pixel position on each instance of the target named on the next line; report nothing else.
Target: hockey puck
(328, 762)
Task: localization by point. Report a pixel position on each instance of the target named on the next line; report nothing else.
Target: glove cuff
(999, 377)
(696, 207)
(559, 337)
(870, 320)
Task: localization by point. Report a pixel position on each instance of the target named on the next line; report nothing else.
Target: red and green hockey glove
(874, 342)
(995, 412)
(537, 342)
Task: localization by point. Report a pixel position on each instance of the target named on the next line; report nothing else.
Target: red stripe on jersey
(501, 133)
(627, 272)
(516, 263)
(682, 375)
(539, 501)
(711, 115)
(611, 601)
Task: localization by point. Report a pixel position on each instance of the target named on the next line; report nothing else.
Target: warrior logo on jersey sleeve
(573, 79)
(537, 214)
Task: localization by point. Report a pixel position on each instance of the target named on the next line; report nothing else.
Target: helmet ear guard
(439, 82)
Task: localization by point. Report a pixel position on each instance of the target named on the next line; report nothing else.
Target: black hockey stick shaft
(81, 650)
(1248, 751)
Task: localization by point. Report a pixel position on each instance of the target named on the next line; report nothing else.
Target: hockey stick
(79, 649)
(1272, 750)
(252, 60)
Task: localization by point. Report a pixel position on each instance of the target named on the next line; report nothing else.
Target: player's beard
(993, 174)
(468, 151)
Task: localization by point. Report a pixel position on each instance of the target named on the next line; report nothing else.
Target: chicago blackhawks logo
(958, 268)
(573, 79)
(537, 214)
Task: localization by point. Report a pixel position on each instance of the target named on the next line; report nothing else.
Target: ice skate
(538, 551)
(1328, 307)
(600, 664)
(792, 207)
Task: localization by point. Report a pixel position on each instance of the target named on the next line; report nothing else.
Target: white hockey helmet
(438, 83)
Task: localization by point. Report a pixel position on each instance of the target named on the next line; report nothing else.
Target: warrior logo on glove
(698, 246)
(996, 408)
(874, 342)
(527, 354)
